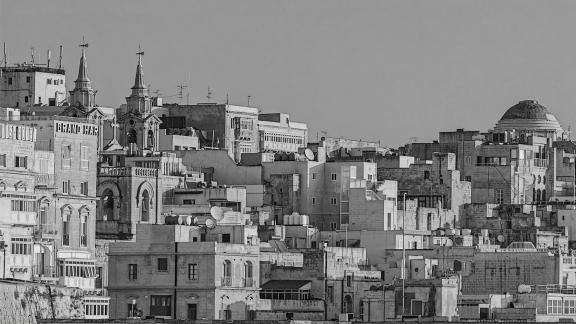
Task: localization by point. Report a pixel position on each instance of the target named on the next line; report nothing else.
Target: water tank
(457, 231)
(290, 220)
(285, 219)
(188, 220)
(297, 219)
(210, 223)
(305, 220)
(466, 231)
(182, 220)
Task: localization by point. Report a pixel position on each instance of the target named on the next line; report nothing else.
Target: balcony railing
(44, 271)
(44, 179)
(248, 282)
(227, 281)
(127, 172)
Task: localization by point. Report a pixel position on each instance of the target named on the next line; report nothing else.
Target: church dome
(529, 116)
(528, 109)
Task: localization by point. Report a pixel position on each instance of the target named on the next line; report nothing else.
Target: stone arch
(3, 185)
(111, 211)
(145, 185)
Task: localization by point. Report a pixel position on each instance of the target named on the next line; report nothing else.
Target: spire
(83, 69)
(139, 80)
(83, 94)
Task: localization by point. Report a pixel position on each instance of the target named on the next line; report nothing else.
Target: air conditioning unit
(346, 317)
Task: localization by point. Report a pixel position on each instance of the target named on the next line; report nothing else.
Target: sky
(389, 71)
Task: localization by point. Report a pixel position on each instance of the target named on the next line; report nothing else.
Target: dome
(528, 109)
(528, 116)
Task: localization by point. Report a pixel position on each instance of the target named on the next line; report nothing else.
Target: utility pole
(403, 254)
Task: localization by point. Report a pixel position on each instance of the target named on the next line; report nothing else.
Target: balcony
(44, 180)
(45, 231)
(248, 282)
(41, 272)
(127, 172)
(227, 281)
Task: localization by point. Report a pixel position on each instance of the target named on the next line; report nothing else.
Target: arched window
(347, 307)
(538, 195)
(66, 214)
(84, 226)
(107, 205)
(227, 271)
(132, 137)
(544, 195)
(145, 209)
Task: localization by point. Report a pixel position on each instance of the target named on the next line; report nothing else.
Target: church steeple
(139, 101)
(83, 95)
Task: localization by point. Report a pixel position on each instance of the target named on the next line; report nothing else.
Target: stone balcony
(127, 172)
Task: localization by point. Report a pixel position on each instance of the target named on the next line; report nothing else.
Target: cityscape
(159, 210)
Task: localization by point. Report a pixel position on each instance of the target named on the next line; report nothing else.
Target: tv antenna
(60, 58)
(5, 59)
(249, 97)
(181, 88)
(209, 94)
(32, 55)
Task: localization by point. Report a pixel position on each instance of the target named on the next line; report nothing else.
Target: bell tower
(138, 125)
(83, 95)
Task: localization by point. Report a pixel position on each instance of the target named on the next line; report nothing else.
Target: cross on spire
(84, 45)
(140, 54)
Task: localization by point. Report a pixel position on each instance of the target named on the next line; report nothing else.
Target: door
(192, 311)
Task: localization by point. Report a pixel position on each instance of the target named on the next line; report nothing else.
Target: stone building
(27, 85)
(230, 127)
(166, 274)
(277, 133)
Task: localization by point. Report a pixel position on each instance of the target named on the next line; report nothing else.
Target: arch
(107, 205)
(132, 136)
(20, 185)
(145, 185)
(347, 305)
(248, 269)
(3, 185)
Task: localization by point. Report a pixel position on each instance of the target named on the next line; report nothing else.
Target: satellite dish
(210, 223)
(309, 154)
(217, 212)
(500, 238)
(195, 220)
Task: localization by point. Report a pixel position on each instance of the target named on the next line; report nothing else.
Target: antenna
(181, 88)
(32, 55)
(5, 59)
(249, 97)
(227, 98)
(60, 58)
(209, 95)
(49, 56)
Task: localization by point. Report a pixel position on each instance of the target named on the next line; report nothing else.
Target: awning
(287, 285)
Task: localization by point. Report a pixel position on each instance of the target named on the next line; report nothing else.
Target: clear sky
(380, 70)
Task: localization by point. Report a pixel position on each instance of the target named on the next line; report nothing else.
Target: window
(132, 310)
(3, 160)
(67, 156)
(570, 306)
(23, 205)
(132, 272)
(21, 161)
(314, 175)
(66, 187)
(84, 156)
(348, 281)
(108, 205)
(248, 274)
(21, 245)
(25, 98)
(192, 271)
(9, 81)
(48, 81)
(429, 221)
(66, 226)
(84, 188)
(333, 201)
(426, 175)
(160, 305)
(313, 200)
(333, 226)
(162, 265)
(499, 196)
(333, 176)
(43, 215)
(555, 306)
(84, 228)
(225, 238)
(28, 79)
(189, 202)
(468, 160)
(145, 209)
(389, 220)
(227, 271)
(330, 294)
